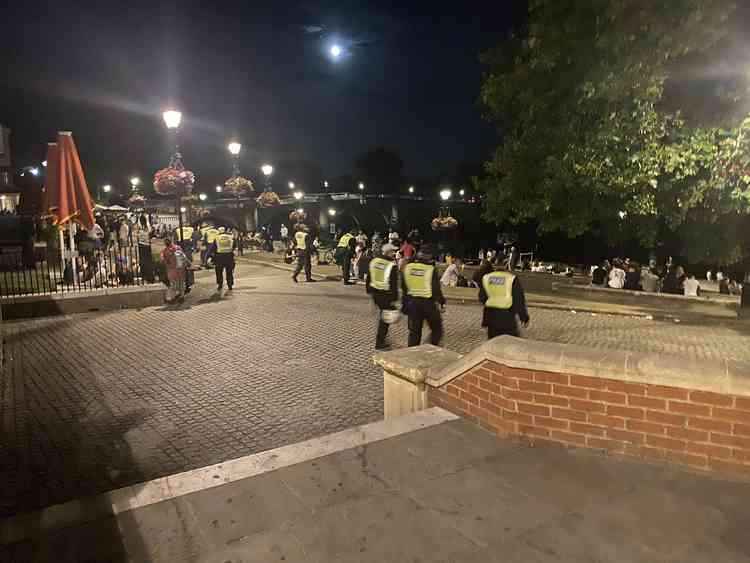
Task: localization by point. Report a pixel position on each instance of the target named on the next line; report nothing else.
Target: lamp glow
(411, 189)
(183, 209)
(291, 185)
(446, 194)
(234, 148)
(34, 171)
(135, 181)
(461, 192)
(332, 212)
(335, 51)
(218, 189)
(267, 169)
(298, 195)
(300, 210)
(202, 197)
(172, 118)
(106, 188)
(361, 186)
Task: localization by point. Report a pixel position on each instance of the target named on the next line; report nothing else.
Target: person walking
(175, 263)
(422, 294)
(224, 246)
(504, 303)
(382, 284)
(344, 255)
(303, 248)
(145, 259)
(284, 235)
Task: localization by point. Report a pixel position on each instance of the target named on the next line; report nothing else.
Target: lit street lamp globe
(461, 192)
(291, 185)
(331, 211)
(218, 189)
(445, 194)
(300, 211)
(135, 181)
(234, 148)
(172, 118)
(183, 209)
(298, 195)
(361, 186)
(325, 184)
(106, 188)
(34, 171)
(411, 189)
(202, 197)
(267, 169)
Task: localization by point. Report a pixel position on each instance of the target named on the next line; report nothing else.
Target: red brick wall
(689, 427)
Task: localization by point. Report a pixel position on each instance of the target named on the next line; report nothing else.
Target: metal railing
(96, 267)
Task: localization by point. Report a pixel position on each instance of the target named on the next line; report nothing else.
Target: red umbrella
(68, 195)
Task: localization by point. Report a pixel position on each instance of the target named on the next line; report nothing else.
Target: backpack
(180, 260)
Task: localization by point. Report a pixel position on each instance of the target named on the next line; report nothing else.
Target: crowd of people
(670, 278)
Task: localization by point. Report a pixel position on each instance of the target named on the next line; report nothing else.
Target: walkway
(449, 492)
(97, 401)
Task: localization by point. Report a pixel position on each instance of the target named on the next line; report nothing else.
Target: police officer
(208, 240)
(345, 253)
(422, 294)
(504, 303)
(382, 284)
(303, 247)
(224, 246)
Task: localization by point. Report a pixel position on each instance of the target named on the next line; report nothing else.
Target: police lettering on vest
(344, 240)
(499, 289)
(300, 238)
(418, 280)
(224, 243)
(380, 274)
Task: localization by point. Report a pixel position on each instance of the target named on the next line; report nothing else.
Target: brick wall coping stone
(437, 367)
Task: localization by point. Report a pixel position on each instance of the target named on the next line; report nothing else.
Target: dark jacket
(506, 319)
(437, 292)
(384, 299)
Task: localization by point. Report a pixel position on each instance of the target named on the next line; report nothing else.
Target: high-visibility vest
(499, 289)
(300, 238)
(380, 274)
(211, 235)
(224, 243)
(418, 279)
(185, 234)
(344, 240)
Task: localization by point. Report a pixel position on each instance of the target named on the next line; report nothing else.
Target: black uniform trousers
(384, 302)
(346, 264)
(224, 261)
(303, 262)
(422, 310)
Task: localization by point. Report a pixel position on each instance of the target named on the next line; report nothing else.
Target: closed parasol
(67, 195)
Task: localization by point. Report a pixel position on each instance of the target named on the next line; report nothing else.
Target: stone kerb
(668, 408)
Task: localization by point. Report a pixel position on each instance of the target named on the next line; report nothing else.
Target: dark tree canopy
(591, 141)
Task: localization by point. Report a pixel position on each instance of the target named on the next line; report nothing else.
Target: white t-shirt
(617, 278)
(450, 276)
(691, 287)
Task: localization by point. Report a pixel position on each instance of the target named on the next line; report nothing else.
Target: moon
(335, 51)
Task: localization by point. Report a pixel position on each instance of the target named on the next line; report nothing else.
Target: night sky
(408, 79)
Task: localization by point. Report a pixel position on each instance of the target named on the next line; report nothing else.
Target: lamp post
(135, 181)
(106, 188)
(172, 119)
(267, 170)
(234, 149)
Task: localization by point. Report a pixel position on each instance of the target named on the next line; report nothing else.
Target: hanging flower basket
(297, 217)
(444, 223)
(268, 199)
(238, 185)
(174, 181)
(137, 200)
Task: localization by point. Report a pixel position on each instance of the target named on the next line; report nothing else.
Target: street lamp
(445, 194)
(172, 119)
(298, 195)
(234, 149)
(106, 188)
(34, 171)
(461, 192)
(135, 181)
(267, 170)
(202, 197)
(331, 211)
(361, 186)
(218, 189)
(300, 211)
(291, 185)
(411, 189)
(44, 163)
(325, 184)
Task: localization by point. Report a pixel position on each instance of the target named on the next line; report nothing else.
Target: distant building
(10, 194)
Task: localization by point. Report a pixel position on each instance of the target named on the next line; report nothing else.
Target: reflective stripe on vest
(499, 289)
(224, 243)
(418, 279)
(344, 240)
(380, 274)
(300, 239)
(211, 235)
(187, 233)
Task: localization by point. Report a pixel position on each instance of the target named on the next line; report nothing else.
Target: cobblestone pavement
(96, 401)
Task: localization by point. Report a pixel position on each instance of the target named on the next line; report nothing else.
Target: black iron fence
(91, 267)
